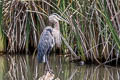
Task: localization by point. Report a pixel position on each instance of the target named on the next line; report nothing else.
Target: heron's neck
(56, 26)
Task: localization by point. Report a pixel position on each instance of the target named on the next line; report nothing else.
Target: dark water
(25, 67)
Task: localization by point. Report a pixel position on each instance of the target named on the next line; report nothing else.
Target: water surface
(26, 67)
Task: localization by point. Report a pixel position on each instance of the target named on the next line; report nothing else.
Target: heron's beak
(65, 21)
(62, 19)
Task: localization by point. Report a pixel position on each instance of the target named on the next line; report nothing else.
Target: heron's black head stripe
(50, 30)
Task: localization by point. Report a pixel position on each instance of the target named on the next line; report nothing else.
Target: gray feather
(46, 43)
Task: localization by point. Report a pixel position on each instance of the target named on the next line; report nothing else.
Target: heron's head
(54, 18)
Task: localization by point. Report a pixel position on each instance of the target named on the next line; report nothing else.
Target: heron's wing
(46, 43)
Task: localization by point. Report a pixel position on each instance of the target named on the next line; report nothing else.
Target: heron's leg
(45, 68)
(48, 66)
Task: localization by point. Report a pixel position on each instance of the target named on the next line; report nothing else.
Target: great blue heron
(49, 38)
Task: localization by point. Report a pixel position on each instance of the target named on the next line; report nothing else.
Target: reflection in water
(2, 67)
(25, 67)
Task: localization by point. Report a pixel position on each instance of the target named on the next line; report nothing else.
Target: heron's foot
(48, 69)
(51, 71)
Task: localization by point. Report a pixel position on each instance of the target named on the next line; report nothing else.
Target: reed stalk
(2, 36)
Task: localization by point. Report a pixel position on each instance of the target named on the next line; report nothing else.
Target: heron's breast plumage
(57, 37)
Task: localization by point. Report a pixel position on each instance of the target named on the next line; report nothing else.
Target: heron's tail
(41, 57)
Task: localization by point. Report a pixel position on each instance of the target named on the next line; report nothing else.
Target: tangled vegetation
(93, 30)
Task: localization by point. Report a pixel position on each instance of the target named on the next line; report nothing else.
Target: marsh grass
(93, 30)
(2, 38)
(21, 27)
